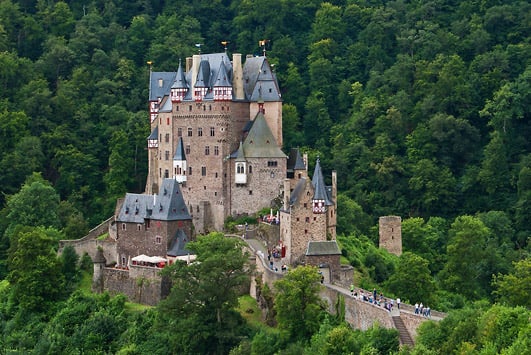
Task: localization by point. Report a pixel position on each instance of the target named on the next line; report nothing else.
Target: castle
(216, 128)
(214, 151)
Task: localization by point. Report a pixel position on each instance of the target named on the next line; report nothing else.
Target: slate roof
(215, 69)
(179, 151)
(260, 142)
(180, 79)
(320, 189)
(295, 161)
(297, 191)
(156, 90)
(154, 134)
(328, 247)
(178, 244)
(222, 78)
(168, 205)
(259, 81)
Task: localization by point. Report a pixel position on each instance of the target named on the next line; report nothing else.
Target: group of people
(375, 298)
(422, 310)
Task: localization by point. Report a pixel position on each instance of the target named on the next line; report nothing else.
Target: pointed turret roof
(203, 76)
(260, 142)
(179, 152)
(154, 134)
(295, 161)
(222, 78)
(320, 190)
(180, 79)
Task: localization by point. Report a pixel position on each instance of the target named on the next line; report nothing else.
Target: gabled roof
(260, 142)
(295, 161)
(179, 152)
(259, 81)
(168, 205)
(328, 247)
(160, 84)
(320, 189)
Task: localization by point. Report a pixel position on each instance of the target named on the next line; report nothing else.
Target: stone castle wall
(89, 244)
(139, 284)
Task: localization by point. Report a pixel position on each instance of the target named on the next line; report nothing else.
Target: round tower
(97, 278)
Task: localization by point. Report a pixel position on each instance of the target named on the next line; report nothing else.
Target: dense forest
(422, 108)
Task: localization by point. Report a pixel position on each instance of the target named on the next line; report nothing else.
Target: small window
(189, 170)
(158, 240)
(167, 155)
(166, 174)
(250, 169)
(168, 121)
(123, 226)
(203, 170)
(305, 205)
(212, 131)
(207, 150)
(139, 227)
(179, 132)
(272, 163)
(187, 149)
(190, 132)
(307, 219)
(167, 138)
(190, 108)
(216, 150)
(200, 132)
(250, 192)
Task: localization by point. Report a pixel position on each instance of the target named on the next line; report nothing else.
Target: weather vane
(262, 43)
(224, 43)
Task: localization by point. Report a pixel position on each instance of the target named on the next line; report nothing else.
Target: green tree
(514, 288)
(297, 303)
(464, 271)
(204, 294)
(36, 204)
(34, 269)
(412, 280)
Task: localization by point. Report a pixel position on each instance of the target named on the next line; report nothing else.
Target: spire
(320, 197)
(180, 79)
(179, 163)
(179, 152)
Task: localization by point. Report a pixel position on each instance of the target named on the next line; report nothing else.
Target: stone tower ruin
(390, 230)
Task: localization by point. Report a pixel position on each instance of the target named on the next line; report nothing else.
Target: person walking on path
(398, 303)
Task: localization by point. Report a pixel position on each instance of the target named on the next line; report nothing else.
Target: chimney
(287, 194)
(195, 69)
(334, 186)
(237, 81)
(188, 64)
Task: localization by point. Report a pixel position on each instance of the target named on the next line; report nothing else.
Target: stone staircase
(404, 336)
